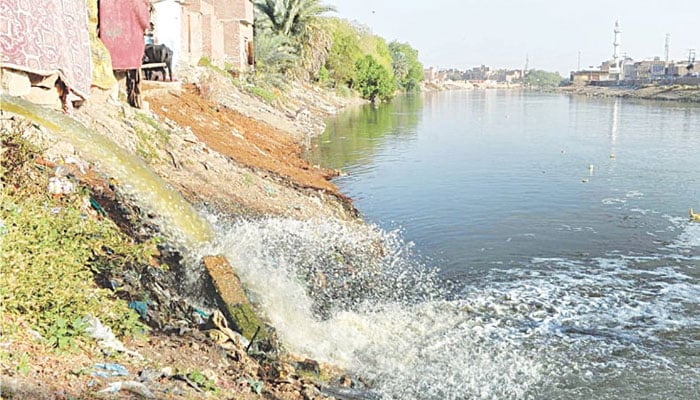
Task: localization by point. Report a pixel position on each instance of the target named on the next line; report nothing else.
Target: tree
(343, 53)
(542, 79)
(290, 18)
(407, 69)
(299, 21)
(373, 80)
(273, 52)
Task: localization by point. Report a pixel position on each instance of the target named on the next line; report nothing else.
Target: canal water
(557, 228)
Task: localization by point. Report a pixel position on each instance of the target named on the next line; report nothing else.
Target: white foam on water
(689, 238)
(398, 331)
(335, 296)
(613, 201)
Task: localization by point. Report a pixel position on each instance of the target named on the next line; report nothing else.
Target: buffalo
(158, 53)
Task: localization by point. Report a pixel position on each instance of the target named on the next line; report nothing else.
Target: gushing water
(376, 312)
(552, 329)
(181, 220)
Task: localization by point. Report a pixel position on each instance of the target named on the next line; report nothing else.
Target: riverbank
(228, 153)
(681, 93)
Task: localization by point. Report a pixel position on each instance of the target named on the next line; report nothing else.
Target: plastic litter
(103, 334)
(107, 370)
(257, 386)
(132, 386)
(141, 307)
(94, 204)
(105, 337)
(60, 186)
(201, 313)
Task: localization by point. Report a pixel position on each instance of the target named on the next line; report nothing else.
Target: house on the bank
(218, 30)
(646, 70)
(681, 68)
(586, 76)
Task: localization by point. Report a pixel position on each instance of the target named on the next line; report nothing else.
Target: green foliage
(51, 250)
(202, 381)
(542, 79)
(374, 82)
(262, 93)
(60, 335)
(300, 22)
(377, 47)
(343, 91)
(323, 77)
(352, 43)
(274, 54)
(204, 61)
(290, 18)
(19, 361)
(344, 52)
(407, 69)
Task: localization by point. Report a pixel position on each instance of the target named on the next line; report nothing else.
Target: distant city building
(624, 70)
(477, 76)
(430, 75)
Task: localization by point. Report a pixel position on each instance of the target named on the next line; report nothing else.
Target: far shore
(681, 93)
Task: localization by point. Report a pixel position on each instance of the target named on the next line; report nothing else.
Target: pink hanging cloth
(122, 24)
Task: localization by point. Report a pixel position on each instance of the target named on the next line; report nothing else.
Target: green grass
(263, 94)
(53, 248)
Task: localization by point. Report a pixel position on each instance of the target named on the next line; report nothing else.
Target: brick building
(219, 30)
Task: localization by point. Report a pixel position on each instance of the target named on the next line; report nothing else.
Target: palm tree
(300, 21)
(291, 18)
(273, 52)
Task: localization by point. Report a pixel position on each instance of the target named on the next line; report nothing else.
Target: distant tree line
(540, 79)
(296, 38)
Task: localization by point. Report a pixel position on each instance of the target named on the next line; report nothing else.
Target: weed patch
(53, 248)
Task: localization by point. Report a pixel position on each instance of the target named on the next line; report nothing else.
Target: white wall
(167, 20)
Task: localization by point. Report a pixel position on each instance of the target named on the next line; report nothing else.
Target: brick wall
(219, 30)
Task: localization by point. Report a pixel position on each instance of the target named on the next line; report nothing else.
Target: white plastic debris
(60, 185)
(132, 386)
(105, 337)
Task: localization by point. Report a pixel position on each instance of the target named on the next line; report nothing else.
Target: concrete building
(680, 69)
(430, 74)
(219, 30)
(508, 75)
(647, 70)
(481, 73)
(585, 77)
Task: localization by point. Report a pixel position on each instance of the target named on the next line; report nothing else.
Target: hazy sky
(501, 33)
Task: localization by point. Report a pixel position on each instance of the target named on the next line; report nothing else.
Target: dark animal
(158, 53)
